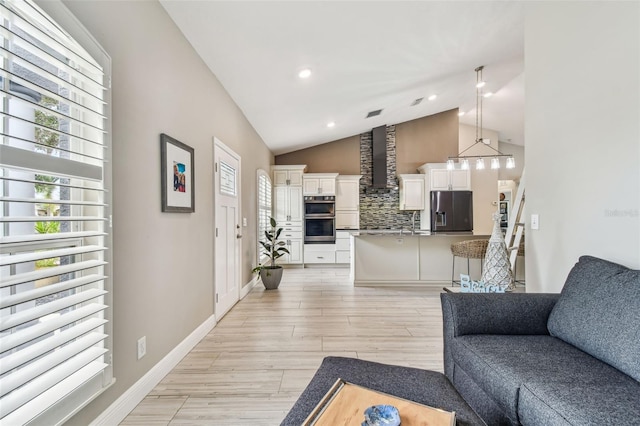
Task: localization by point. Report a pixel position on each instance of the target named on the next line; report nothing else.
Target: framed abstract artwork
(178, 176)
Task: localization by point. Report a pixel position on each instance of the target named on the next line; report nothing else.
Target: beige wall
(163, 273)
(341, 156)
(484, 183)
(429, 139)
(583, 155)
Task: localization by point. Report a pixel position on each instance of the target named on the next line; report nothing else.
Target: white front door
(227, 234)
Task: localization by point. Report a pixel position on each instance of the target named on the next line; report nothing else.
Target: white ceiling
(365, 55)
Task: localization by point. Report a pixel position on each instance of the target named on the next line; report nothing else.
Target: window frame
(65, 22)
(263, 185)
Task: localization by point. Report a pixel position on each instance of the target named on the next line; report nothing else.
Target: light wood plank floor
(254, 364)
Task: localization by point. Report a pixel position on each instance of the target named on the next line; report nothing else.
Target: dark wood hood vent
(379, 155)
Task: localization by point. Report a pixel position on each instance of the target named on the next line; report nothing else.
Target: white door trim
(218, 144)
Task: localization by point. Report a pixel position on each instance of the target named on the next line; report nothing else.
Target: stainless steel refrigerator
(451, 211)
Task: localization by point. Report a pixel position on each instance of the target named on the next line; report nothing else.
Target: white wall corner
(121, 407)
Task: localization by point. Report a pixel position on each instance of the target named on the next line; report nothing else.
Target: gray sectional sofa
(524, 358)
(550, 359)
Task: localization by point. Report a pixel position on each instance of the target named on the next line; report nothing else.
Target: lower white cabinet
(319, 253)
(343, 247)
(295, 252)
(292, 237)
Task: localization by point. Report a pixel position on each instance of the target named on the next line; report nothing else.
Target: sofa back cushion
(599, 312)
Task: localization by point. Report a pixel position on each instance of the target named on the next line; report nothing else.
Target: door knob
(238, 236)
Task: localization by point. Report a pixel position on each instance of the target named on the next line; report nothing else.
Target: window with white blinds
(264, 210)
(54, 214)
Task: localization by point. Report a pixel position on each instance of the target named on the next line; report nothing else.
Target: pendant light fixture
(479, 159)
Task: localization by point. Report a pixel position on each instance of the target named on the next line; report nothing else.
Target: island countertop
(418, 233)
(392, 257)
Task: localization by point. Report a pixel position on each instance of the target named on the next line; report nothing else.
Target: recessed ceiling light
(488, 95)
(461, 113)
(305, 73)
(432, 97)
(331, 124)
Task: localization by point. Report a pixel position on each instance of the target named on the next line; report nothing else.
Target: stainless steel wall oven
(320, 219)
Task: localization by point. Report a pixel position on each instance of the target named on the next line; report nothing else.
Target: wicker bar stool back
(469, 249)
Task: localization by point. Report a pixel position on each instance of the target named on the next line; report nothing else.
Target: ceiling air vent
(374, 113)
(416, 102)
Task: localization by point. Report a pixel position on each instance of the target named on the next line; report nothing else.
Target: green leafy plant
(47, 227)
(272, 247)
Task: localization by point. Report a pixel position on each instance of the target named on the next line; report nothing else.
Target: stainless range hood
(379, 154)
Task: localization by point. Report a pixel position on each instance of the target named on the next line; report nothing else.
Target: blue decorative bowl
(381, 415)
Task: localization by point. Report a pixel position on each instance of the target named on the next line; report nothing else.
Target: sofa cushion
(501, 364)
(609, 402)
(598, 312)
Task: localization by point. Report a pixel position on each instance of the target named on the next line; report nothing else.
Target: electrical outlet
(142, 347)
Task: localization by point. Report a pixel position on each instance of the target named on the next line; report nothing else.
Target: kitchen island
(396, 257)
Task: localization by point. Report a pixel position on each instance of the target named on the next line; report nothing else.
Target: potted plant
(272, 274)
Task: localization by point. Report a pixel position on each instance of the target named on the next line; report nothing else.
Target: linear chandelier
(479, 159)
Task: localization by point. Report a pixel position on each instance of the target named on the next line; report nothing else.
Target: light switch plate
(244, 221)
(535, 221)
(142, 347)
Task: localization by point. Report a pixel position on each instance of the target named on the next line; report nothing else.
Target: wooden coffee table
(345, 403)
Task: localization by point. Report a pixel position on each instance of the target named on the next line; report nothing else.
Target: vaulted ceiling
(364, 56)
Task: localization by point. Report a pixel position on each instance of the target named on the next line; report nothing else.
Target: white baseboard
(122, 406)
(247, 288)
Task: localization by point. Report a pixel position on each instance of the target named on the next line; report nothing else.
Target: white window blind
(264, 210)
(54, 219)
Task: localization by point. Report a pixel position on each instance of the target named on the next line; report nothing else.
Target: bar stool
(471, 249)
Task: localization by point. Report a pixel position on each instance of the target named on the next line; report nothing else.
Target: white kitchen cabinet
(288, 175)
(450, 180)
(287, 203)
(295, 252)
(343, 247)
(348, 202)
(348, 192)
(319, 253)
(288, 215)
(411, 192)
(347, 219)
(319, 183)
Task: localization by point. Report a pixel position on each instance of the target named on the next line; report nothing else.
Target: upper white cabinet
(348, 202)
(411, 192)
(288, 175)
(319, 183)
(287, 203)
(348, 192)
(441, 179)
(450, 180)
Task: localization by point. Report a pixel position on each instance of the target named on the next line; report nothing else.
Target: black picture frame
(177, 173)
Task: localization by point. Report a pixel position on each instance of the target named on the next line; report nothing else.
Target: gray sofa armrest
(490, 313)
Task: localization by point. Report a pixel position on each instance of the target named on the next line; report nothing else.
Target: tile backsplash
(379, 206)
